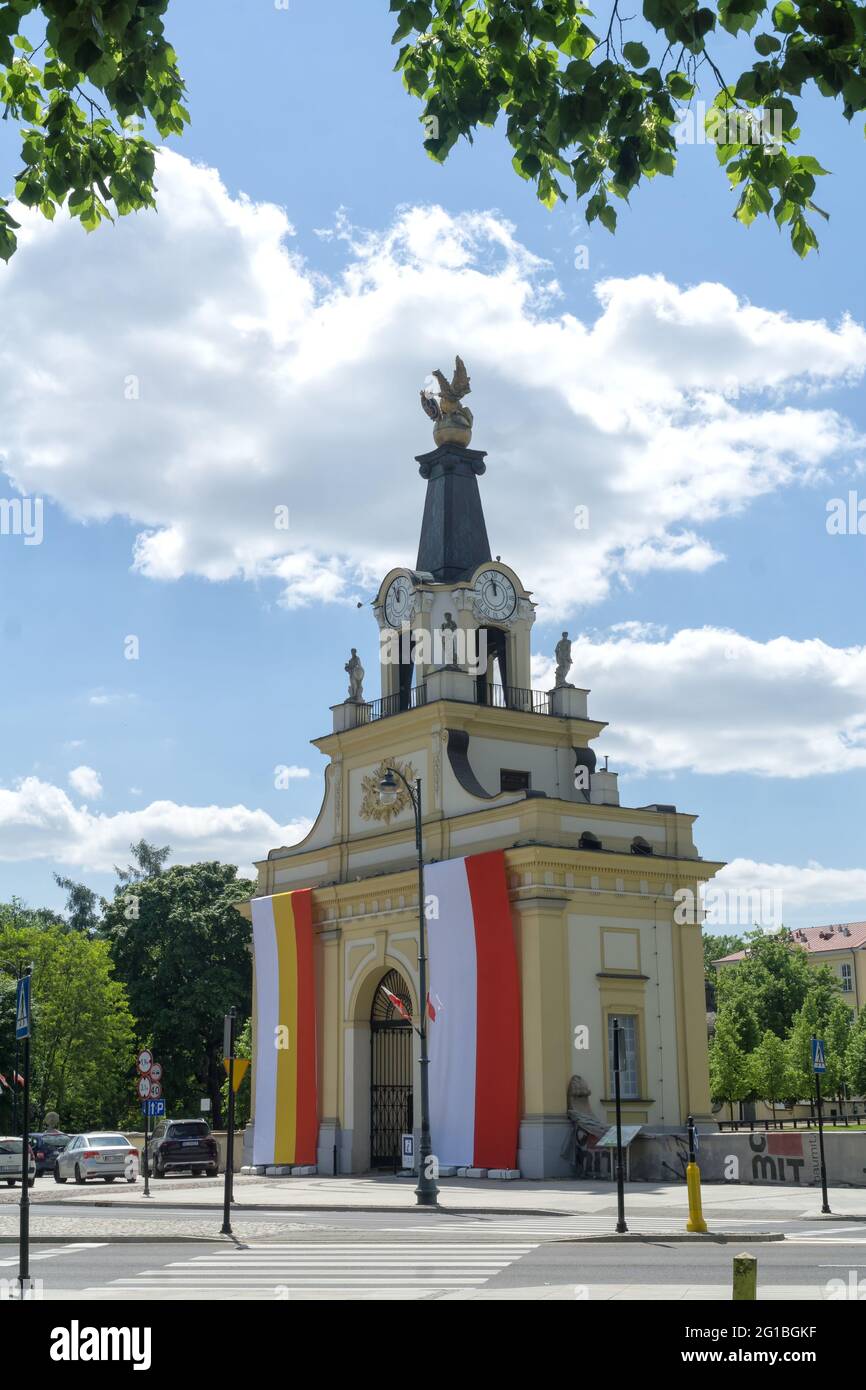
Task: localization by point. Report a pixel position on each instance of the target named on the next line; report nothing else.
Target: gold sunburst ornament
(371, 805)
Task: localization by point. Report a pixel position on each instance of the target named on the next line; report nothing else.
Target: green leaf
(786, 17)
(766, 44)
(607, 217)
(636, 54)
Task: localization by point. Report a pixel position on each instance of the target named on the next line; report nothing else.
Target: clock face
(494, 595)
(398, 601)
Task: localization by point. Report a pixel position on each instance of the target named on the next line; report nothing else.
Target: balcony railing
(494, 696)
(516, 697)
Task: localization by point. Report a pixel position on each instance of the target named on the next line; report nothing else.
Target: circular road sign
(155, 1072)
(143, 1087)
(155, 1090)
(145, 1061)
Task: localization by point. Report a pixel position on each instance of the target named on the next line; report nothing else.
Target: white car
(106, 1156)
(10, 1161)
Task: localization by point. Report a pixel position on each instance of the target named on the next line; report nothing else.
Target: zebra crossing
(571, 1228)
(332, 1270)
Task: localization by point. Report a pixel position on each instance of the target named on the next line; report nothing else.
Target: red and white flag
(16, 1076)
(398, 1003)
(475, 1046)
(4, 1082)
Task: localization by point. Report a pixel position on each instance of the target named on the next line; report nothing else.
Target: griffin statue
(452, 421)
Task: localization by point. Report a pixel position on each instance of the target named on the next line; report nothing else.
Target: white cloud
(808, 896)
(86, 782)
(38, 821)
(711, 700)
(293, 773)
(259, 383)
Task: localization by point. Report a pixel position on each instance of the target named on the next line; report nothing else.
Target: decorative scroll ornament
(371, 806)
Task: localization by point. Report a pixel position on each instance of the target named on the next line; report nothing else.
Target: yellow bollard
(696, 1220)
(745, 1278)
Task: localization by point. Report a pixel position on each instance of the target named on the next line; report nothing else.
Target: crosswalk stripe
(388, 1268)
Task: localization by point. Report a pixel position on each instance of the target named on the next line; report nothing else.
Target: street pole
(24, 1230)
(229, 1037)
(621, 1227)
(426, 1193)
(15, 1087)
(146, 1192)
(826, 1204)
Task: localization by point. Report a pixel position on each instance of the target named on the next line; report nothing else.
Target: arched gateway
(390, 1071)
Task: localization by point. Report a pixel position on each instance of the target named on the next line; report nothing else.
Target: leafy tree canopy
(81, 96)
(82, 1047)
(588, 108)
(183, 952)
(772, 981)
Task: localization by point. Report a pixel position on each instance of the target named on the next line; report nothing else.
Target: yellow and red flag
(286, 1100)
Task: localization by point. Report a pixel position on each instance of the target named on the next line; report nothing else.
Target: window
(589, 841)
(628, 1071)
(190, 1129)
(512, 781)
(847, 982)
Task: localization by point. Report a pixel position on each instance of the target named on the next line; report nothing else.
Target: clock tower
(581, 893)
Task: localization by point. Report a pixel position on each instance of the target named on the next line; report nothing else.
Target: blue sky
(299, 109)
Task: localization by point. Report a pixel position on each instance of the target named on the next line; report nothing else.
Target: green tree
(81, 96)
(586, 108)
(773, 980)
(149, 862)
(82, 904)
(82, 1048)
(812, 1021)
(182, 950)
(715, 947)
(837, 1035)
(730, 1077)
(770, 1071)
(855, 1057)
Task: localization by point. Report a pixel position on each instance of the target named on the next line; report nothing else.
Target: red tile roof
(840, 936)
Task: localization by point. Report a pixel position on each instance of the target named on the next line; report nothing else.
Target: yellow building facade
(591, 883)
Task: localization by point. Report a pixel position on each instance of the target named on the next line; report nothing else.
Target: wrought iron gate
(390, 1073)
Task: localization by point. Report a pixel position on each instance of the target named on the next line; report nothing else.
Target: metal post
(15, 1086)
(24, 1230)
(146, 1192)
(426, 1193)
(696, 1220)
(621, 1227)
(825, 1208)
(226, 1229)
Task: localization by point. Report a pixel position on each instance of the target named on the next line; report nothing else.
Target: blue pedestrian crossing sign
(818, 1062)
(22, 1008)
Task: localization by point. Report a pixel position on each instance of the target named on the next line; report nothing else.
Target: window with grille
(628, 1060)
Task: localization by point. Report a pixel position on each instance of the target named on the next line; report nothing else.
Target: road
(368, 1255)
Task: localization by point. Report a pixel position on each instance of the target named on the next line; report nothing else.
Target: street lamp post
(426, 1192)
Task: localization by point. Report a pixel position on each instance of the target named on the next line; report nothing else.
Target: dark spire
(453, 534)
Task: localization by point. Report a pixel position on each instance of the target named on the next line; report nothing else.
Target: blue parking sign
(153, 1108)
(818, 1062)
(22, 1008)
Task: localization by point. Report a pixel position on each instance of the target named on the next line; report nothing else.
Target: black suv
(183, 1144)
(46, 1146)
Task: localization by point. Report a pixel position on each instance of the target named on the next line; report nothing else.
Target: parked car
(46, 1147)
(10, 1161)
(184, 1144)
(106, 1156)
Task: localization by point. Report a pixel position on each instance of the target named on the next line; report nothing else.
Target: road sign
(240, 1069)
(144, 1087)
(153, 1107)
(155, 1072)
(22, 1008)
(145, 1061)
(408, 1150)
(155, 1090)
(818, 1061)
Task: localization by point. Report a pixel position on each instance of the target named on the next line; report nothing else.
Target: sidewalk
(722, 1203)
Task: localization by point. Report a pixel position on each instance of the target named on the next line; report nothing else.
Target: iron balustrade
(494, 696)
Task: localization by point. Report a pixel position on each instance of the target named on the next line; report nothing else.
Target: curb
(681, 1237)
(128, 1240)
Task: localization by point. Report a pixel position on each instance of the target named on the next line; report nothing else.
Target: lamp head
(388, 789)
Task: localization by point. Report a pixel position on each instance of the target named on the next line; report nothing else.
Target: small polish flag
(431, 1012)
(16, 1076)
(398, 1003)
(4, 1082)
